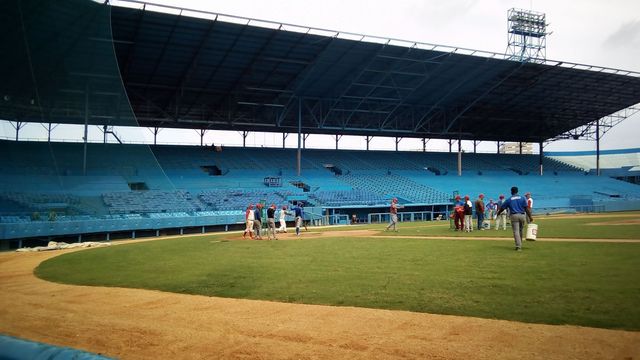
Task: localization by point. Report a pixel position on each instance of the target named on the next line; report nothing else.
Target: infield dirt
(143, 324)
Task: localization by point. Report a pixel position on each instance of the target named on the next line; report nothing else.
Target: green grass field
(579, 283)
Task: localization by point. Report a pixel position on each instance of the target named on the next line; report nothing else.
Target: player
(271, 222)
(393, 209)
(249, 216)
(283, 222)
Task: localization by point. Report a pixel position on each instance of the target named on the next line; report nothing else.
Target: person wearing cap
(257, 222)
(283, 221)
(271, 222)
(468, 213)
(529, 201)
(393, 210)
(517, 206)
(480, 210)
(501, 218)
(249, 217)
(458, 212)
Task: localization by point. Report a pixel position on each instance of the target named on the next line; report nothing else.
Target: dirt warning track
(143, 324)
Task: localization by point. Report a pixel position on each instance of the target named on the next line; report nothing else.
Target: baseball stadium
(139, 249)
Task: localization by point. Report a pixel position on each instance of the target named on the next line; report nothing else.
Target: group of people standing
(515, 207)
(253, 219)
(463, 211)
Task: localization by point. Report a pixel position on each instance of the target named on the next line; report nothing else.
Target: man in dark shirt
(271, 222)
(480, 211)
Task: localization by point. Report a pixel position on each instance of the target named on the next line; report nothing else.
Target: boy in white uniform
(249, 216)
(283, 223)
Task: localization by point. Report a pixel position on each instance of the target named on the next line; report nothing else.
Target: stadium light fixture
(527, 35)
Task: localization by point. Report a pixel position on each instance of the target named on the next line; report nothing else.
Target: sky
(594, 32)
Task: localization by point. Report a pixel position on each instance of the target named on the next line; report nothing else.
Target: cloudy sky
(594, 32)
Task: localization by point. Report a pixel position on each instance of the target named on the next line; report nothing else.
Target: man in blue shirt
(298, 213)
(517, 206)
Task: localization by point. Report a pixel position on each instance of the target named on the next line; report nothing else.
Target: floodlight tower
(527, 35)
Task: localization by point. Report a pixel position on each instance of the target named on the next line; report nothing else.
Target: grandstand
(137, 68)
(129, 193)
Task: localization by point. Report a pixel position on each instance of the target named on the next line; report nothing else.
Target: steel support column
(299, 154)
(304, 140)
(244, 138)
(541, 158)
(598, 147)
(460, 157)
(19, 125)
(202, 132)
(86, 129)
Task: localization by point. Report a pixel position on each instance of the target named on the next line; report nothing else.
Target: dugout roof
(198, 70)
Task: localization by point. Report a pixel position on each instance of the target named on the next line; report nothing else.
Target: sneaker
(518, 249)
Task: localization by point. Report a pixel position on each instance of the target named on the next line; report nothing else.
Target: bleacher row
(170, 180)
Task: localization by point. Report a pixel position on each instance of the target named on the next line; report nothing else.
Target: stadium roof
(190, 69)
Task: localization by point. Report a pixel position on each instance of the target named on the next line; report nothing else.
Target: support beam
(450, 144)
(19, 125)
(498, 146)
(541, 158)
(598, 147)
(86, 129)
(338, 137)
(304, 140)
(475, 146)
(284, 137)
(299, 153)
(201, 132)
(459, 161)
(244, 138)
(368, 140)
(49, 128)
(156, 130)
(398, 139)
(520, 145)
(424, 144)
